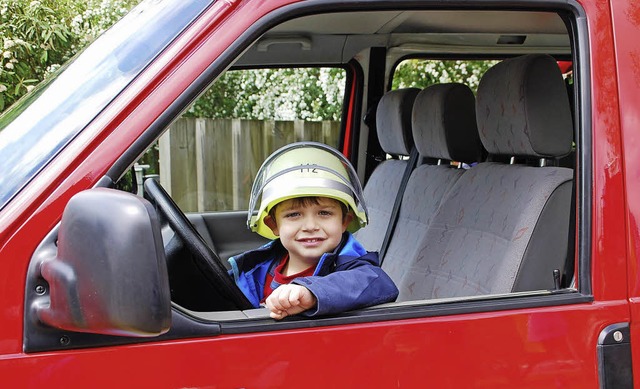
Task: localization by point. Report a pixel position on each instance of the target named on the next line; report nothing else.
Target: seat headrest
(523, 108)
(444, 123)
(393, 121)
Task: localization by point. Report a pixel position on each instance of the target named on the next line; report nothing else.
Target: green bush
(39, 36)
(420, 73)
(281, 94)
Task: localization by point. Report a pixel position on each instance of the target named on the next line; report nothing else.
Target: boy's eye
(292, 214)
(326, 213)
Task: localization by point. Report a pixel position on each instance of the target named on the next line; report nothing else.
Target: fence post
(236, 129)
(181, 168)
(330, 130)
(164, 165)
(298, 130)
(201, 153)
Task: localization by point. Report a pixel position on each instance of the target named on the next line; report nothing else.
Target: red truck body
(537, 341)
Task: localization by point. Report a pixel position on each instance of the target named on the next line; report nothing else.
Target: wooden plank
(182, 170)
(313, 131)
(248, 151)
(330, 132)
(214, 163)
(276, 134)
(164, 163)
(201, 173)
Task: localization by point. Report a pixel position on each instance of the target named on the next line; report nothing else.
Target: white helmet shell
(305, 169)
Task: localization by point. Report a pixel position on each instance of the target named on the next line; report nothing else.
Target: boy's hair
(308, 200)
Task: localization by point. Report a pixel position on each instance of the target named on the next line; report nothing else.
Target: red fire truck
(519, 270)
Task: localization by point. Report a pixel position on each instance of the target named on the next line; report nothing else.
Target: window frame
(577, 27)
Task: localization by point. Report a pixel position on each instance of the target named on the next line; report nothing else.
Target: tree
(315, 93)
(39, 36)
(281, 94)
(419, 73)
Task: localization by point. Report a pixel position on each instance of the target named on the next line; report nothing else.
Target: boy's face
(308, 229)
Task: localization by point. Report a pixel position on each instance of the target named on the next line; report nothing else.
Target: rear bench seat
(501, 227)
(444, 129)
(393, 122)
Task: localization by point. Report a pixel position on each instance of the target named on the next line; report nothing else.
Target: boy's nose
(310, 224)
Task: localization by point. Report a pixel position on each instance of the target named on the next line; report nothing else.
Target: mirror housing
(109, 273)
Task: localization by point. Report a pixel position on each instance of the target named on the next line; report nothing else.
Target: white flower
(3, 88)
(52, 68)
(7, 54)
(8, 65)
(8, 43)
(30, 88)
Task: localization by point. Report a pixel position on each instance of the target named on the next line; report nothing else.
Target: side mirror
(109, 274)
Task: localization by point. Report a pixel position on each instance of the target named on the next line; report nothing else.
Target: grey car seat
(504, 227)
(393, 119)
(444, 130)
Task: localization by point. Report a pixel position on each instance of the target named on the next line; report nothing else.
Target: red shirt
(275, 277)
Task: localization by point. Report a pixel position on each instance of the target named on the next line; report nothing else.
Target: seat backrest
(444, 129)
(504, 227)
(393, 122)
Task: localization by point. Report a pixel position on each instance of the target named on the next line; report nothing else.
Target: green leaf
(60, 35)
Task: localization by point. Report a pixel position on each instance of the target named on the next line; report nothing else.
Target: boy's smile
(308, 229)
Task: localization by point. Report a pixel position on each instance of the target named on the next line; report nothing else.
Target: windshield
(36, 128)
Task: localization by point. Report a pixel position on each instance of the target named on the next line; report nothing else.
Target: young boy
(309, 201)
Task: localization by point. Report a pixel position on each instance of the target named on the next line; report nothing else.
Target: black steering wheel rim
(207, 261)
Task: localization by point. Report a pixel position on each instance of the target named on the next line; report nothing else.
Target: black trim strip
(584, 147)
(375, 91)
(408, 312)
(355, 79)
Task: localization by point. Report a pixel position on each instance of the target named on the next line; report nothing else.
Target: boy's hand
(288, 300)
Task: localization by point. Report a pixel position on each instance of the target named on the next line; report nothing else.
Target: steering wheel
(207, 261)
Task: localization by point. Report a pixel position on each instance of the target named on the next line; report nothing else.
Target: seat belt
(393, 220)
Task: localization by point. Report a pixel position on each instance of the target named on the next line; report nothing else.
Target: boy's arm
(356, 283)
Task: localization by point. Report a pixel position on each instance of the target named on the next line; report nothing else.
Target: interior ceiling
(388, 22)
(338, 37)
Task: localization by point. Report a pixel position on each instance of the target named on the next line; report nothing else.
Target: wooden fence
(210, 164)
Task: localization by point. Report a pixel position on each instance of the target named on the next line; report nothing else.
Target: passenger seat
(393, 122)
(444, 130)
(504, 227)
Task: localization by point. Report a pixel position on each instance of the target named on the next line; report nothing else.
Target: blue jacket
(345, 279)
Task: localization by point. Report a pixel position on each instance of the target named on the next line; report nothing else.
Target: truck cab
(499, 195)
